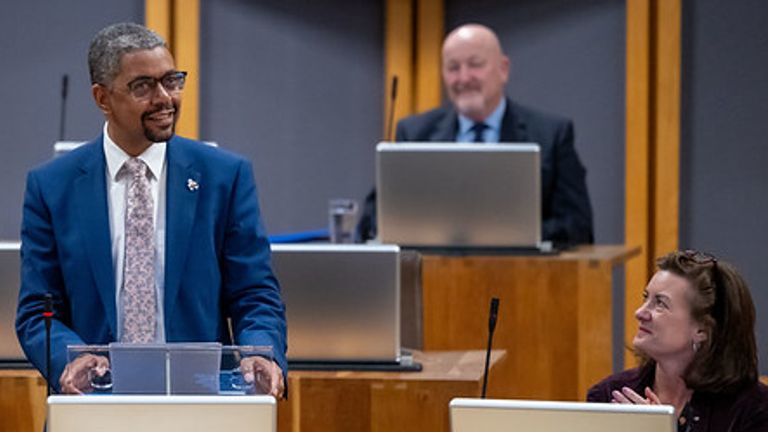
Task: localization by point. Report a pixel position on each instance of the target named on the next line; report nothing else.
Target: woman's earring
(695, 346)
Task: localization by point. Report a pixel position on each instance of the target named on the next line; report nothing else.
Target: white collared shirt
(491, 134)
(117, 186)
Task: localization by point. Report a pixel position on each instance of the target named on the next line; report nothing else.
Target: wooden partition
(319, 401)
(22, 400)
(554, 316)
(384, 401)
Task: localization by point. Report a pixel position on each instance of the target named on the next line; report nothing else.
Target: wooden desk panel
(554, 316)
(383, 401)
(319, 401)
(22, 400)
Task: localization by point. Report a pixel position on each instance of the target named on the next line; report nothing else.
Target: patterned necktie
(478, 129)
(138, 294)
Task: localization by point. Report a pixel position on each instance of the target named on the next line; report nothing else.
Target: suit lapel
(513, 128)
(90, 198)
(181, 203)
(445, 130)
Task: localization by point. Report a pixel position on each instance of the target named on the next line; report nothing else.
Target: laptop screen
(489, 415)
(10, 351)
(459, 195)
(342, 301)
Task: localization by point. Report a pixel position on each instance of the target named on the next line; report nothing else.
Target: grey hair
(111, 43)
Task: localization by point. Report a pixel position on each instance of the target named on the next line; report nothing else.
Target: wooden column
(413, 37)
(178, 22)
(652, 142)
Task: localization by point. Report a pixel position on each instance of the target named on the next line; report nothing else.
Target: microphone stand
(47, 316)
(63, 110)
(491, 328)
(393, 98)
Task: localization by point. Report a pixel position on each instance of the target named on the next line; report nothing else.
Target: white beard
(470, 104)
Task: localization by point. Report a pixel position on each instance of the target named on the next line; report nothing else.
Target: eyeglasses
(142, 88)
(717, 280)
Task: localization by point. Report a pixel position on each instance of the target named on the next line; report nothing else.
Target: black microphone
(47, 316)
(63, 112)
(491, 327)
(392, 99)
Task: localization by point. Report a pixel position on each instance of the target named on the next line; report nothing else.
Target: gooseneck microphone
(63, 111)
(47, 316)
(491, 327)
(392, 99)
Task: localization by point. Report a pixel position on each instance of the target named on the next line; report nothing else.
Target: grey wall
(297, 87)
(568, 58)
(724, 204)
(41, 41)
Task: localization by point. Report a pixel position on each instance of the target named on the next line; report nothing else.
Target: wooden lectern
(554, 316)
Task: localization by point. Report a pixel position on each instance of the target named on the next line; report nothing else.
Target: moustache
(460, 88)
(167, 107)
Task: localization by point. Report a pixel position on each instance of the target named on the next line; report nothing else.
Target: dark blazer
(217, 257)
(566, 210)
(745, 410)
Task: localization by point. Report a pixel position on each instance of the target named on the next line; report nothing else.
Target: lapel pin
(192, 185)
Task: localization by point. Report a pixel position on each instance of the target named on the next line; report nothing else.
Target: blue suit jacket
(217, 257)
(566, 211)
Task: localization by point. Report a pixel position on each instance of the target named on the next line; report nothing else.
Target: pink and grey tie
(138, 293)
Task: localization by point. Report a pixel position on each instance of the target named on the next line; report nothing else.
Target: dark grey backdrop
(724, 174)
(41, 41)
(296, 86)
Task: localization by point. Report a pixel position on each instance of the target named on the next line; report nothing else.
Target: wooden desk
(319, 401)
(383, 401)
(22, 400)
(554, 316)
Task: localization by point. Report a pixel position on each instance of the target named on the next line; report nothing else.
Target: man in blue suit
(165, 252)
(475, 72)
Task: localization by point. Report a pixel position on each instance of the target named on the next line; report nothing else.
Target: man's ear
(505, 65)
(101, 98)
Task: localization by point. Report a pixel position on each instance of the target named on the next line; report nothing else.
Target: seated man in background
(696, 341)
(475, 71)
(142, 236)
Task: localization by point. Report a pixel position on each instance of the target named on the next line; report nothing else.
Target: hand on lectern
(265, 373)
(78, 374)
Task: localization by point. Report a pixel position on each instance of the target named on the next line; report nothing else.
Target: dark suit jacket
(744, 410)
(217, 257)
(566, 210)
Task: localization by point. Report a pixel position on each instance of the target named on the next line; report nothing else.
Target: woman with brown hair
(696, 340)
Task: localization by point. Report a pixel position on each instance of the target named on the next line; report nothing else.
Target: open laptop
(10, 351)
(451, 195)
(161, 413)
(342, 302)
(489, 415)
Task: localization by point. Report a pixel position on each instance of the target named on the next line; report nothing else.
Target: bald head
(475, 70)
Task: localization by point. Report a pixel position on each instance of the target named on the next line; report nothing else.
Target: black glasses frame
(173, 82)
(704, 258)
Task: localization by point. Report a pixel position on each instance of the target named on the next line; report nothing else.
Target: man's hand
(76, 378)
(265, 373)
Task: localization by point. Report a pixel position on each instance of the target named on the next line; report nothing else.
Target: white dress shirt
(117, 186)
(491, 134)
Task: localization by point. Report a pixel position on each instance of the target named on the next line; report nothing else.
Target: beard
(160, 134)
(470, 103)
